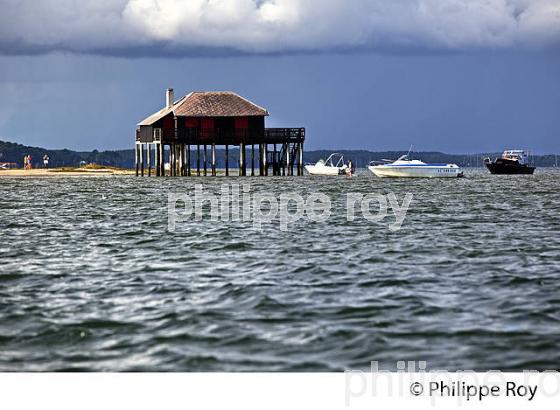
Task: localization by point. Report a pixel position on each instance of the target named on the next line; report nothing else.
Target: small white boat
(413, 168)
(329, 166)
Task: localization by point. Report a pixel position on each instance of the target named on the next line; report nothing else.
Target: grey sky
(455, 76)
(262, 26)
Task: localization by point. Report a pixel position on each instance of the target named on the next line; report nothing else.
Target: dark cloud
(201, 28)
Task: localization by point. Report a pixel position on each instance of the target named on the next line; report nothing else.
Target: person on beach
(25, 162)
(45, 161)
(29, 163)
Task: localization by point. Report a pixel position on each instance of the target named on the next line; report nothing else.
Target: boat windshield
(335, 156)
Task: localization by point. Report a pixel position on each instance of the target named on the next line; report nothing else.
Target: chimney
(169, 97)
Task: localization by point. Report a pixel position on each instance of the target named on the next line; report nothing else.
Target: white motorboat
(413, 168)
(333, 165)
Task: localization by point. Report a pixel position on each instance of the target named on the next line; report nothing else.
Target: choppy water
(90, 279)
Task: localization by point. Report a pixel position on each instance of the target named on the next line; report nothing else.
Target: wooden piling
(275, 162)
(149, 158)
(261, 162)
(136, 165)
(185, 155)
(171, 158)
(300, 168)
(252, 160)
(182, 163)
(213, 160)
(265, 149)
(227, 159)
(189, 160)
(162, 159)
(170, 154)
(198, 160)
(284, 159)
(205, 162)
(174, 162)
(156, 153)
(158, 160)
(293, 160)
(141, 159)
(179, 160)
(244, 152)
(261, 172)
(241, 159)
(288, 160)
(178, 151)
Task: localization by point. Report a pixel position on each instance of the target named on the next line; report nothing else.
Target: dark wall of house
(145, 133)
(219, 130)
(208, 130)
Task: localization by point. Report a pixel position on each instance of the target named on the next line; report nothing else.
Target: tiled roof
(209, 104)
(217, 104)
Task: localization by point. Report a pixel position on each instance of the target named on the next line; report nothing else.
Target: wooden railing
(280, 135)
(227, 136)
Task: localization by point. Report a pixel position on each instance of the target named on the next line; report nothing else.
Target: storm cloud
(195, 27)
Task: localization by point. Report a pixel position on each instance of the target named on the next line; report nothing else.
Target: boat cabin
(516, 155)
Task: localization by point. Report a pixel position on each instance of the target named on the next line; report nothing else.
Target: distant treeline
(12, 152)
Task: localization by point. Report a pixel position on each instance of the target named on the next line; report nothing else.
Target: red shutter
(191, 122)
(207, 123)
(241, 123)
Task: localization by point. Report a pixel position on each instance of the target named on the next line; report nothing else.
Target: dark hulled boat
(512, 162)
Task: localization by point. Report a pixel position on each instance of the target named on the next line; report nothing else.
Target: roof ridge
(214, 92)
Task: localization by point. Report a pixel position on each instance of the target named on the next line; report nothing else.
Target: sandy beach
(63, 172)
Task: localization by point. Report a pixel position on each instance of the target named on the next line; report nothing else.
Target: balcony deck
(220, 136)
